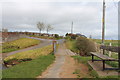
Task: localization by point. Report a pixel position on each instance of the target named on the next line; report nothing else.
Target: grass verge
(107, 42)
(31, 53)
(70, 44)
(46, 37)
(30, 69)
(18, 44)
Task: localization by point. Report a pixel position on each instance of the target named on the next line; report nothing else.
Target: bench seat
(103, 57)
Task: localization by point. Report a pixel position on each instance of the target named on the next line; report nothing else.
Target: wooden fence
(112, 49)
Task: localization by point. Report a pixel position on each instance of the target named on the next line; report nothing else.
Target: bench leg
(103, 65)
(92, 58)
(103, 51)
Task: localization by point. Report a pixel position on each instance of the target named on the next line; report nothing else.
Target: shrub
(73, 36)
(56, 36)
(85, 46)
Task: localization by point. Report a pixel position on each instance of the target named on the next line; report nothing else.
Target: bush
(85, 46)
(56, 36)
(73, 36)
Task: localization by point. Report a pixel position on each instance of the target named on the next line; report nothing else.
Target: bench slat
(103, 57)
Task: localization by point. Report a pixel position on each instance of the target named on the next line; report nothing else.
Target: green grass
(84, 60)
(18, 44)
(31, 53)
(30, 69)
(46, 37)
(70, 44)
(108, 77)
(114, 43)
(93, 73)
(112, 63)
(107, 42)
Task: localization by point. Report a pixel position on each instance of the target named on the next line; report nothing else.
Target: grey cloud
(87, 17)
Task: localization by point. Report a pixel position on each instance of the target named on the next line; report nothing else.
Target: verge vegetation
(56, 37)
(18, 44)
(107, 42)
(30, 69)
(31, 53)
(73, 45)
(30, 63)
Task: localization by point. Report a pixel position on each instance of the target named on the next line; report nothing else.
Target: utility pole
(103, 25)
(72, 28)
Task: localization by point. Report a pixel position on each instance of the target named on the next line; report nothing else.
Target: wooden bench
(103, 59)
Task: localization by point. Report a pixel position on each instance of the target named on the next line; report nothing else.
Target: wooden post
(54, 46)
(103, 25)
(92, 57)
(110, 51)
(119, 59)
(103, 65)
(103, 51)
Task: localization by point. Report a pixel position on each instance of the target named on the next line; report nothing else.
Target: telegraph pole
(103, 25)
(72, 28)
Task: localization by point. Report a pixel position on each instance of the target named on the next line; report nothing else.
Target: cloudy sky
(23, 15)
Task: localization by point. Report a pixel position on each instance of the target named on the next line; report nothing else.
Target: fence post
(54, 47)
(119, 59)
(103, 49)
(110, 51)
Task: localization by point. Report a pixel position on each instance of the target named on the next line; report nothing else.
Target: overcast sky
(22, 15)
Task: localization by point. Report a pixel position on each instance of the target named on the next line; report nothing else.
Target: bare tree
(48, 28)
(40, 26)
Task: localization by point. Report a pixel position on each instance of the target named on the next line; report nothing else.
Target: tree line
(41, 26)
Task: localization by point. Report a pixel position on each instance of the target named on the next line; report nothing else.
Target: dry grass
(31, 53)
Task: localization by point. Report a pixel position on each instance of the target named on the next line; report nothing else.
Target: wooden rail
(110, 48)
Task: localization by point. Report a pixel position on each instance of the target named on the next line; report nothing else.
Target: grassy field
(107, 42)
(18, 44)
(31, 53)
(30, 69)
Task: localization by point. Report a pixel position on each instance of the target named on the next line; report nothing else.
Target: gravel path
(56, 68)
